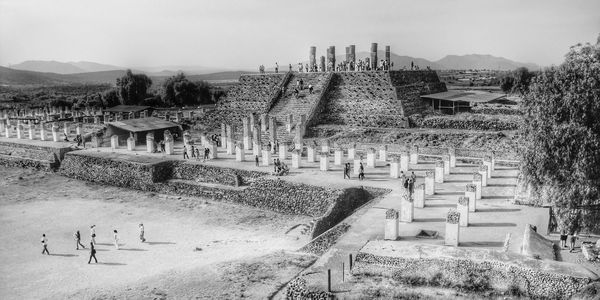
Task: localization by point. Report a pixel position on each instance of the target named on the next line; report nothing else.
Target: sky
(246, 33)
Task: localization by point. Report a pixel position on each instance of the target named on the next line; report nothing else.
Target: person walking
(413, 176)
(116, 239)
(193, 152)
(92, 253)
(572, 242)
(256, 159)
(93, 233)
(185, 154)
(402, 179)
(45, 244)
(347, 170)
(411, 186)
(77, 237)
(563, 238)
(361, 172)
(142, 238)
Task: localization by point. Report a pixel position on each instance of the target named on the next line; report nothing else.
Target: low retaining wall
(495, 270)
(29, 154)
(536, 246)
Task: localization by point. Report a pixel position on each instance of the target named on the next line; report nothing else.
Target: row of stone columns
(32, 129)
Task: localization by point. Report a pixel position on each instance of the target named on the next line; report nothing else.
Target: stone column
(383, 153)
(338, 156)
(452, 228)
(357, 166)
(230, 141)
(429, 182)
(446, 160)
(2, 124)
(114, 142)
(404, 160)
(20, 134)
(54, 132)
(391, 224)
(263, 123)
(331, 58)
(325, 146)
(439, 171)
(298, 139)
(322, 64)
(42, 131)
(289, 121)
(296, 156)
(266, 157)
(150, 142)
(213, 151)
(371, 163)
(463, 207)
(419, 196)
(407, 210)
(203, 139)
(252, 119)
(312, 57)
(470, 191)
(272, 130)
(223, 135)
(310, 153)
(7, 131)
(487, 161)
(373, 56)
(31, 129)
(452, 154)
(324, 161)
(283, 150)
(347, 58)
(388, 55)
(130, 144)
(493, 156)
(353, 56)
(256, 142)
(477, 179)
(240, 155)
(483, 170)
(351, 151)
(246, 132)
(106, 118)
(395, 168)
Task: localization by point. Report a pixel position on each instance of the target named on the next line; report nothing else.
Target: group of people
(361, 171)
(408, 182)
(77, 238)
(195, 151)
(279, 167)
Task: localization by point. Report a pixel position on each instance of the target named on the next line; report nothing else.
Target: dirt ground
(189, 241)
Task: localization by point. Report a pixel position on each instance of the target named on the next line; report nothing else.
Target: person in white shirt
(116, 238)
(45, 244)
(142, 238)
(93, 233)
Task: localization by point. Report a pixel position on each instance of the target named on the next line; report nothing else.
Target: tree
(561, 135)
(110, 98)
(132, 88)
(178, 90)
(522, 79)
(507, 84)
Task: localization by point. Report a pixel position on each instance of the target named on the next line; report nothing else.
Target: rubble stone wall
(31, 156)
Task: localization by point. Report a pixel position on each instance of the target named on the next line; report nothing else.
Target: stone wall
(31, 155)
(410, 85)
(469, 122)
(212, 174)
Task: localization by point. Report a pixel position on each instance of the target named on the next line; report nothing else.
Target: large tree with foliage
(133, 88)
(561, 157)
(178, 90)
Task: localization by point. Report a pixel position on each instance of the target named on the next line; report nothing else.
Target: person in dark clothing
(256, 159)
(78, 240)
(411, 186)
(563, 239)
(198, 153)
(92, 253)
(45, 244)
(193, 152)
(361, 172)
(162, 147)
(347, 171)
(185, 154)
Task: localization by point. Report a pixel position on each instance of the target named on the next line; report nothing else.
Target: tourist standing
(413, 176)
(198, 153)
(256, 159)
(116, 239)
(402, 179)
(185, 154)
(193, 152)
(411, 186)
(572, 242)
(361, 172)
(92, 253)
(142, 238)
(93, 233)
(44, 244)
(563, 238)
(347, 170)
(77, 237)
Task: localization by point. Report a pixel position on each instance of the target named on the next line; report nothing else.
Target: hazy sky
(246, 33)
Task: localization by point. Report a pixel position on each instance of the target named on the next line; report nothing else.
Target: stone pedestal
(452, 156)
(493, 158)
(213, 151)
(272, 130)
(296, 156)
(404, 160)
(429, 182)
(419, 196)
(324, 161)
(263, 123)
(283, 151)
(452, 228)
(131, 144)
(395, 168)
(407, 210)
(67, 128)
(446, 160)
(463, 207)
(391, 225)
(356, 166)
(203, 139)
(42, 132)
(230, 141)
(20, 131)
(266, 157)
(477, 179)
(338, 155)
(150, 143)
(383, 153)
(371, 159)
(414, 155)
(439, 171)
(78, 129)
(54, 133)
(487, 161)
(114, 142)
(325, 146)
(7, 132)
(483, 170)
(223, 135)
(310, 154)
(169, 143)
(256, 148)
(470, 192)
(352, 152)
(239, 152)
(298, 140)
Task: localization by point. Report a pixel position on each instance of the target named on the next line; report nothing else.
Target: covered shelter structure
(129, 111)
(139, 128)
(458, 101)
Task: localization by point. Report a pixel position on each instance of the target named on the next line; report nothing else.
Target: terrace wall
(34, 156)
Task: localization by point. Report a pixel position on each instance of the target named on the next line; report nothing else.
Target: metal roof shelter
(127, 108)
(143, 125)
(460, 100)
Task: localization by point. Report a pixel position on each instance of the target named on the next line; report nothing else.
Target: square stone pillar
(356, 166)
(42, 131)
(79, 129)
(439, 171)
(483, 170)
(131, 144)
(487, 161)
(446, 160)
(371, 160)
(429, 182)
(150, 143)
(7, 131)
(477, 179)
(31, 130)
(325, 146)
(289, 121)
(20, 134)
(252, 121)
(463, 207)
(247, 139)
(383, 153)
(263, 123)
(419, 196)
(223, 135)
(352, 152)
(452, 228)
(404, 160)
(452, 156)
(338, 156)
(391, 225)
(324, 161)
(298, 139)
(310, 153)
(296, 156)
(54, 132)
(203, 139)
(266, 157)
(470, 191)
(283, 151)
(67, 128)
(230, 141)
(395, 168)
(407, 209)
(114, 142)
(414, 154)
(240, 155)
(272, 130)
(493, 157)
